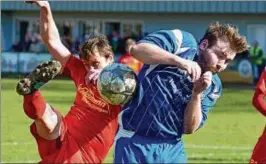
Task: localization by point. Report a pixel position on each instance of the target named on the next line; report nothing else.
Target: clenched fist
(202, 83)
(193, 69)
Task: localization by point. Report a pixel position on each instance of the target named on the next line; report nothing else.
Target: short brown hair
(100, 41)
(228, 33)
(129, 42)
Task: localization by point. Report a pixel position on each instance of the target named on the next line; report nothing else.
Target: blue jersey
(157, 110)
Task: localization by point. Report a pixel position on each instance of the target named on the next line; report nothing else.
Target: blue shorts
(132, 148)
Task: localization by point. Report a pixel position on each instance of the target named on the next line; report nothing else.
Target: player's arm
(152, 54)
(160, 48)
(193, 113)
(50, 34)
(259, 102)
(260, 92)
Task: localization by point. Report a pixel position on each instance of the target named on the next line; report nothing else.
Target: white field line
(224, 147)
(203, 155)
(210, 155)
(189, 146)
(16, 143)
(219, 155)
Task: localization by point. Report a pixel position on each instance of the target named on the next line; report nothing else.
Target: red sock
(34, 105)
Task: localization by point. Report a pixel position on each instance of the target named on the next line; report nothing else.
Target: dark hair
(100, 41)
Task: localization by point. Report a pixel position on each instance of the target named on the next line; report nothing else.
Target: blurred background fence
(239, 71)
(23, 49)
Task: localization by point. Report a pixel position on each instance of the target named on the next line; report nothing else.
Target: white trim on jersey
(119, 118)
(138, 104)
(122, 133)
(181, 50)
(147, 108)
(179, 39)
(151, 67)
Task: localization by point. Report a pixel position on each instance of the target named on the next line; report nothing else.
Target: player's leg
(258, 155)
(46, 119)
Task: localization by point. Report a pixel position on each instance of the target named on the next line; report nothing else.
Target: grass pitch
(232, 128)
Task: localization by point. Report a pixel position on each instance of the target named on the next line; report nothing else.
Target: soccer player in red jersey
(128, 59)
(259, 151)
(87, 132)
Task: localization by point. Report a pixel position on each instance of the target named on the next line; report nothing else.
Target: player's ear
(204, 45)
(110, 58)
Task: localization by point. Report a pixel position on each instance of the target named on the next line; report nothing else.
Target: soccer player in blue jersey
(178, 86)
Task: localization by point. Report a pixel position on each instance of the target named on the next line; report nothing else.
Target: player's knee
(48, 128)
(48, 125)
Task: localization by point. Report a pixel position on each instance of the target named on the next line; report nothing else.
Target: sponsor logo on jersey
(94, 102)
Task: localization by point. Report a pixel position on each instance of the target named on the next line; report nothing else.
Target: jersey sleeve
(261, 85)
(210, 97)
(173, 41)
(74, 69)
(260, 92)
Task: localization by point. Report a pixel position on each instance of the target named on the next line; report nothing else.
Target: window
(257, 33)
(132, 29)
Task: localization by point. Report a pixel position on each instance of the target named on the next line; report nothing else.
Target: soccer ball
(117, 84)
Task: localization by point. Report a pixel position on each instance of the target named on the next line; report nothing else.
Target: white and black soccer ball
(117, 84)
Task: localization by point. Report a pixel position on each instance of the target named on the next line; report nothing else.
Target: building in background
(120, 20)
(134, 18)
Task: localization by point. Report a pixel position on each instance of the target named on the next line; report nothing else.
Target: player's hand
(38, 3)
(193, 69)
(202, 83)
(92, 76)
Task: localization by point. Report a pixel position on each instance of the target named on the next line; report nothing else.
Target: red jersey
(259, 152)
(130, 61)
(260, 93)
(88, 129)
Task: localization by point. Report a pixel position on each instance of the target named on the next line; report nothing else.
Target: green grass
(229, 135)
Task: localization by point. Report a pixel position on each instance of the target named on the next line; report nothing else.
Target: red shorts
(259, 152)
(64, 149)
